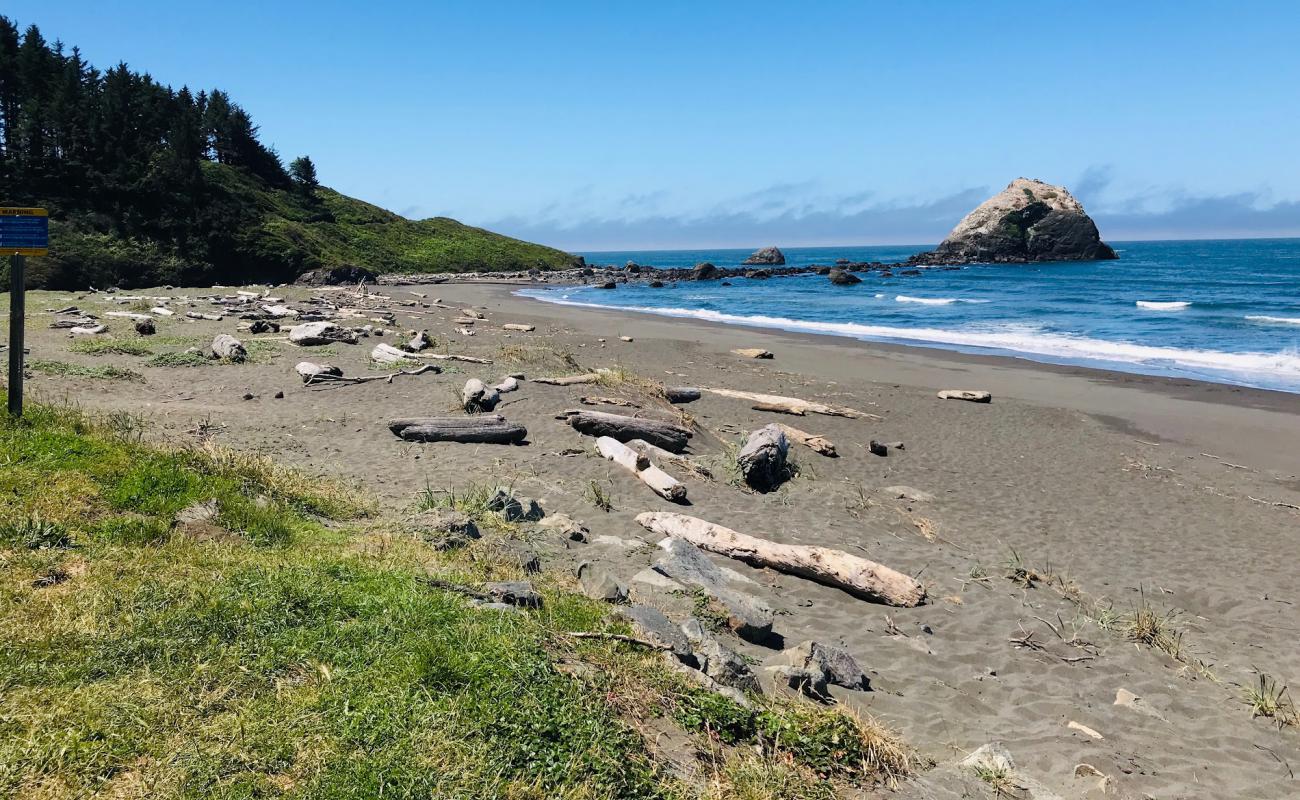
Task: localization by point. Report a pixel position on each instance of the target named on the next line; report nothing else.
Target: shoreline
(1253, 416)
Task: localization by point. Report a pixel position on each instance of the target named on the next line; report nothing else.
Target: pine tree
(303, 172)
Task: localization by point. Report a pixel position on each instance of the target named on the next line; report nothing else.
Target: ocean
(1223, 311)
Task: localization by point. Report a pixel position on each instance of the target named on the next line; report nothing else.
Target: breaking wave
(1156, 305)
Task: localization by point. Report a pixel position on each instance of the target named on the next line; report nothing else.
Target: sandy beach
(1040, 524)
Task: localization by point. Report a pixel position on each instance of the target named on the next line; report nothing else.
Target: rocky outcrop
(1027, 221)
(767, 255)
(841, 278)
(705, 271)
(337, 276)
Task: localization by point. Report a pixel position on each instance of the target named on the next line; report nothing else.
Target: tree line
(124, 164)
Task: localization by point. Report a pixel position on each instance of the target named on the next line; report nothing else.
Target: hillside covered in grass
(147, 185)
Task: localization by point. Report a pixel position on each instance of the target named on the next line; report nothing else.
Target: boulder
(841, 277)
(145, 327)
(599, 584)
(704, 271)
(651, 624)
(685, 563)
(514, 509)
(515, 593)
(767, 255)
(477, 398)
(227, 347)
(310, 334)
(1027, 221)
(839, 667)
(337, 276)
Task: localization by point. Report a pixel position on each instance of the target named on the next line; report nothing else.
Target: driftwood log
(762, 460)
(853, 574)
(515, 326)
(969, 395)
(791, 405)
(569, 380)
(484, 429)
(670, 437)
(387, 354)
(819, 444)
(752, 352)
(660, 482)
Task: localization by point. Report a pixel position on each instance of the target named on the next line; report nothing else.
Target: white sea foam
(935, 301)
(1156, 305)
(1274, 369)
(1274, 320)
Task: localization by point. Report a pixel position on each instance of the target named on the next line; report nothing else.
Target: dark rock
(279, 395)
(263, 326)
(444, 528)
(681, 394)
(514, 509)
(607, 285)
(685, 563)
(767, 255)
(839, 667)
(840, 277)
(633, 267)
(145, 327)
(651, 624)
(600, 585)
(1027, 221)
(515, 593)
(337, 276)
(878, 448)
(759, 274)
(724, 665)
(656, 284)
(705, 271)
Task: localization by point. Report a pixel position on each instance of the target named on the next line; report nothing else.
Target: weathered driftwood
(569, 380)
(510, 384)
(307, 370)
(598, 400)
(779, 408)
(483, 428)
(469, 312)
(819, 444)
(681, 394)
(855, 575)
(660, 482)
(310, 334)
(970, 395)
(650, 451)
(791, 405)
(387, 354)
(420, 341)
(753, 352)
(228, 347)
(477, 398)
(386, 377)
(515, 326)
(199, 315)
(599, 423)
(762, 460)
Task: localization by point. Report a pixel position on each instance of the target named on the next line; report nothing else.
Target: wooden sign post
(23, 232)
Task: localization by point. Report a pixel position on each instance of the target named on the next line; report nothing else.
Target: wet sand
(1123, 490)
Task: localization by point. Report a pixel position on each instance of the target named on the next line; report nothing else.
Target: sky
(609, 125)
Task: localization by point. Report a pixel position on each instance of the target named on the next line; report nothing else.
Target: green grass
(97, 372)
(103, 347)
(307, 654)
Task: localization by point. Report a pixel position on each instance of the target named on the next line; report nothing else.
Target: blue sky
(609, 125)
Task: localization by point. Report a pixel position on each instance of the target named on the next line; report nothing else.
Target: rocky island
(1028, 221)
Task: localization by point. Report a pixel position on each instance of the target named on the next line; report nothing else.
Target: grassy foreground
(291, 645)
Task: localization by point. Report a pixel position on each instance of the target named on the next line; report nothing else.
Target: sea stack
(770, 256)
(1027, 221)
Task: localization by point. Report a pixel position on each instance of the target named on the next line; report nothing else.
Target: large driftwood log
(484, 428)
(762, 459)
(599, 423)
(969, 395)
(387, 354)
(855, 575)
(569, 380)
(791, 405)
(649, 451)
(817, 443)
(660, 482)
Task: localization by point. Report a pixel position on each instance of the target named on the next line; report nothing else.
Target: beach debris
(278, 312)
(599, 400)
(477, 398)
(673, 438)
(384, 353)
(145, 327)
(790, 405)
(128, 315)
(681, 394)
(969, 395)
(683, 562)
(855, 575)
(1084, 729)
(514, 593)
(202, 316)
(262, 326)
(878, 448)
(420, 341)
(651, 624)
(625, 338)
(479, 429)
(514, 509)
(839, 668)
(814, 442)
(162, 312)
(227, 347)
(464, 320)
(515, 326)
(308, 371)
(660, 482)
(1123, 697)
(509, 384)
(310, 334)
(753, 352)
(598, 584)
(908, 493)
(87, 330)
(762, 459)
(444, 528)
(570, 380)
(566, 526)
(472, 314)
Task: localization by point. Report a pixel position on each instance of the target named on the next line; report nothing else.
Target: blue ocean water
(1223, 311)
